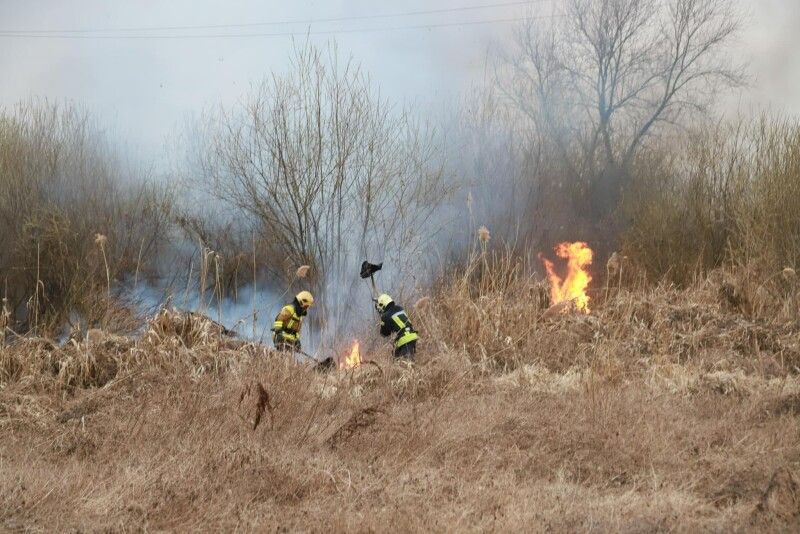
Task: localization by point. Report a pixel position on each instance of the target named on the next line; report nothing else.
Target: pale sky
(145, 89)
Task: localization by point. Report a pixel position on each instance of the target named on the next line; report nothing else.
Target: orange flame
(573, 286)
(353, 360)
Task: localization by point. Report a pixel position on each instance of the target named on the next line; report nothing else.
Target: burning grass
(353, 359)
(572, 286)
(662, 409)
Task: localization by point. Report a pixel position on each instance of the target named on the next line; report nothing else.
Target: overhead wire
(309, 31)
(275, 23)
(283, 34)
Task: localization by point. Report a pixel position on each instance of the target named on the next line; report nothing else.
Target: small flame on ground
(353, 359)
(573, 285)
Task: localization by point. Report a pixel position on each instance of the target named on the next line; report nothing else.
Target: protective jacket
(286, 329)
(395, 321)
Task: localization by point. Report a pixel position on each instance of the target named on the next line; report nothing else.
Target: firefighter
(286, 330)
(395, 321)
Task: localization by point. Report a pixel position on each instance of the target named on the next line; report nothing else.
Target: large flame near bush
(573, 286)
(353, 359)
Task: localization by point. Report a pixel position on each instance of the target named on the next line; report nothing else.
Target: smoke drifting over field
(145, 88)
(645, 380)
(516, 156)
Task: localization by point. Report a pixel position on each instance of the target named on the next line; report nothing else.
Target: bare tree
(328, 171)
(603, 76)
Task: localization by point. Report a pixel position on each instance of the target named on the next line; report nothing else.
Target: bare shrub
(325, 169)
(61, 184)
(722, 198)
(767, 220)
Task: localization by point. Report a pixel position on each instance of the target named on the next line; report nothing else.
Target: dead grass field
(663, 410)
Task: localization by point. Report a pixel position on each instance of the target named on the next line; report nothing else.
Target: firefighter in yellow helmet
(395, 321)
(286, 330)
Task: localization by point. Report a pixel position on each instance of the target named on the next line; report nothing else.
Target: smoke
(343, 309)
(489, 164)
(236, 313)
(147, 87)
(768, 43)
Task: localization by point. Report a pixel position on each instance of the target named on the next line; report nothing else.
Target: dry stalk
(207, 252)
(100, 240)
(483, 237)
(38, 282)
(5, 321)
(218, 287)
(255, 277)
(613, 268)
(188, 285)
(138, 265)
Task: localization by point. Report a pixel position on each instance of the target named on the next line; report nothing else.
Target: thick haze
(144, 89)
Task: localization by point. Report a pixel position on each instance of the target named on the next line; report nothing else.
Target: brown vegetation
(727, 195)
(74, 220)
(663, 409)
(673, 405)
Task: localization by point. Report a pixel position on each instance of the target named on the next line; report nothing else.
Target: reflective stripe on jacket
(288, 324)
(394, 320)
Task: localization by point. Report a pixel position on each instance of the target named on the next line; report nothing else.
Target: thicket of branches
(328, 173)
(727, 194)
(591, 89)
(76, 224)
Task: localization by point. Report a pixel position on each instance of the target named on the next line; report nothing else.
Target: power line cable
(276, 23)
(279, 34)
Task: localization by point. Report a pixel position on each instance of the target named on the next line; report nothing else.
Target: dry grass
(725, 195)
(77, 221)
(663, 410)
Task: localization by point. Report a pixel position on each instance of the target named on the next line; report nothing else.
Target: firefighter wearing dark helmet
(395, 321)
(286, 329)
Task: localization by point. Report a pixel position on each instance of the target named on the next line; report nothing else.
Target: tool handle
(374, 289)
(300, 352)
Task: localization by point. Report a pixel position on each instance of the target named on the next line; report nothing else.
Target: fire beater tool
(320, 365)
(367, 271)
